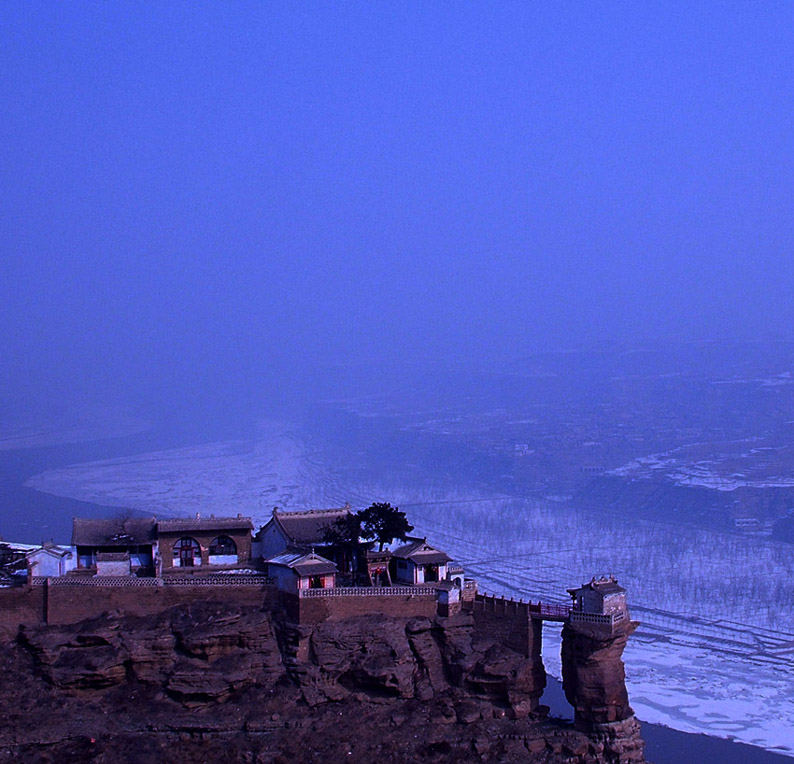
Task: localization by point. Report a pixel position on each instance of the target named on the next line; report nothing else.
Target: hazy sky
(202, 192)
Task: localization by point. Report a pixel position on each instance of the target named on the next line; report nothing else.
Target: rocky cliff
(594, 681)
(212, 682)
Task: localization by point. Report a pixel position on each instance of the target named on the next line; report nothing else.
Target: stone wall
(70, 604)
(509, 622)
(314, 610)
(21, 605)
(66, 604)
(60, 603)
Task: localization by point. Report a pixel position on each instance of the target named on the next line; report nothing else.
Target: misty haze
(523, 272)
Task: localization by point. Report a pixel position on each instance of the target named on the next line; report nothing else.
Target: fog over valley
(523, 272)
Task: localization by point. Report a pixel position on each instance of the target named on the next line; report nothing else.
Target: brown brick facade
(508, 622)
(166, 541)
(36, 605)
(315, 610)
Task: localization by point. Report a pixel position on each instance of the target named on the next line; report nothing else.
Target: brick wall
(21, 605)
(58, 604)
(317, 609)
(62, 604)
(166, 541)
(35, 605)
(508, 622)
(69, 604)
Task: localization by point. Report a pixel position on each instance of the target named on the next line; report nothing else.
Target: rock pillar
(594, 681)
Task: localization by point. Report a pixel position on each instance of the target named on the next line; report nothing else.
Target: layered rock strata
(213, 682)
(594, 681)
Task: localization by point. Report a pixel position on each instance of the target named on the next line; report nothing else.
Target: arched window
(187, 553)
(223, 545)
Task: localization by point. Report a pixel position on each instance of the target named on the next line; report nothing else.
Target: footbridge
(537, 611)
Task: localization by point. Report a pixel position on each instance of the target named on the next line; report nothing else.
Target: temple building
(135, 537)
(600, 601)
(306, 530)
(296, 570)
(190, 545)
(417, 562)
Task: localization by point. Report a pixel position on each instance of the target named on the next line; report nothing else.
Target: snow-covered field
(715, 651)
(718, 466)
(714, 654)
(250, 477)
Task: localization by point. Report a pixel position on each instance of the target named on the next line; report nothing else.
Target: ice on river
(715, 649)
(714, 653)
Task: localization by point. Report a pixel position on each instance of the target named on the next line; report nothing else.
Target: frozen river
(715, 649)
(714, 653)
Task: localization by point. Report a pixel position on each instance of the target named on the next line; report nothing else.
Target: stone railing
(137, 582)
(218, 581)
(370, 591)
(550, 610)
(94, 581)
(577, 616)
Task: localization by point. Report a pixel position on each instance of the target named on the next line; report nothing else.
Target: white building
(51, 560)
(417, 562)
(295, 570)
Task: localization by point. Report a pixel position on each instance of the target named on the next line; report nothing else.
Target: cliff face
(420, 658)
(594, 681)
(195, 654)
(212, 682)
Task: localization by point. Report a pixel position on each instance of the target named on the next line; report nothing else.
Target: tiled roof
(308, 527)
(421, 553)
(49, 548)
(604, 586)
(113, 557)
(610, 587)
(304, 564)
(374, 554)
(211, 523)
(114, 531)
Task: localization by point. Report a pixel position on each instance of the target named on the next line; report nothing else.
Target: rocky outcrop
(213, 682)
(196, 654)
(422, 658)
(594, 680)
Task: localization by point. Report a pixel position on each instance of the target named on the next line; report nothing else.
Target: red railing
(549, 609)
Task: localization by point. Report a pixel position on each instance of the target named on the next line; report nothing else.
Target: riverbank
(30, 516)
(664, 745)
(35, 516)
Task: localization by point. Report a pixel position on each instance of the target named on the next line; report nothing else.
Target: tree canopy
(379, 522)
(384, 523)
(345, 531)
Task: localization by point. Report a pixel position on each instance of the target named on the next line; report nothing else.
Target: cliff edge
(216, 682)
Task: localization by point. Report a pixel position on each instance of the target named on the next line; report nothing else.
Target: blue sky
(224, 190)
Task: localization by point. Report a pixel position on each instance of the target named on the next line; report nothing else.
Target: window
(223, 545)
(86, 559)
(187, 553)
(316, 582)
